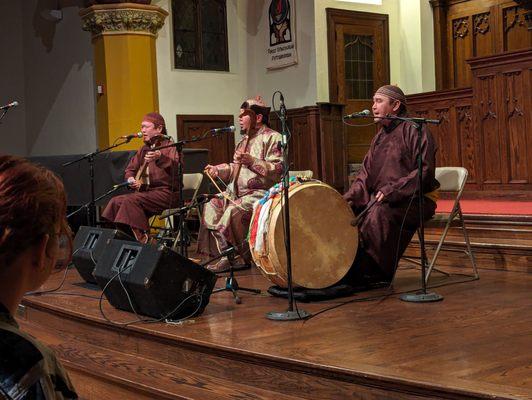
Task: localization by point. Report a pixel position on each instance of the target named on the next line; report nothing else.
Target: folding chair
(452, 179)
(191, 186)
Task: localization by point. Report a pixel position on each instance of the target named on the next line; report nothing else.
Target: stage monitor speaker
(89, 245)
(153, 280)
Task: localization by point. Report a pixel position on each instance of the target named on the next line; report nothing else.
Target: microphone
(119, 185)
(364, 113)
(132, 136)
(7, 106)
(227, 129)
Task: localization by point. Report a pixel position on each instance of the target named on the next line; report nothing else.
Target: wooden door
(220, 148)
(358, 65)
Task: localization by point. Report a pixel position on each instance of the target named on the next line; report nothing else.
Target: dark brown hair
(32, 204)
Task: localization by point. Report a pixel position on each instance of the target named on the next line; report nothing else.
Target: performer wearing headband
(153, 176)
(256, 166)
(389, 175)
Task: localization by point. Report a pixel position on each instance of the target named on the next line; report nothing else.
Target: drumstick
(358, 218)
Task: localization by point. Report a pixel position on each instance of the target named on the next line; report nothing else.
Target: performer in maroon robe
(389, 174)
(161, 193)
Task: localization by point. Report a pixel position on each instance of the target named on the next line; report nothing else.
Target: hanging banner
(282, 50)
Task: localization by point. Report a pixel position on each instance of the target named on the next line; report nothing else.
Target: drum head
(323, 242)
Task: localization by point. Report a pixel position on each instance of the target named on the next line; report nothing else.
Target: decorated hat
(259, 107)
(156, 119)
(393, 92)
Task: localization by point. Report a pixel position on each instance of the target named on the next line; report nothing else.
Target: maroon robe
(135, 208)
(390, 166)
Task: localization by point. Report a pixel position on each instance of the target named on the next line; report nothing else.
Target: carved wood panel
(502, 87)
(516, 34)
(488, 129)
(467, 29)
(513, 111)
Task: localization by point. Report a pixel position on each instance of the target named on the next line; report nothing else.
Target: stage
(476, 343)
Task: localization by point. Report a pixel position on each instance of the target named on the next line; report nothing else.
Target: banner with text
(282, 50)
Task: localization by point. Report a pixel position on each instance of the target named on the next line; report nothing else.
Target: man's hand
(211, 170)
(152, 156)
(243, 158)
(133, 183)
(379, 197)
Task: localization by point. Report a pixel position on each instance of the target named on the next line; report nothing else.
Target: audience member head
(35, 238)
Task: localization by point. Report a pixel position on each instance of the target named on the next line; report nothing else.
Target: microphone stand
(87, 205)
(422, 296)
(290, 314)
(3, 114)
(183, 248)
(91, 212)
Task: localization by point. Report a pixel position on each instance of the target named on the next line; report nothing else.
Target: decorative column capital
(131, 18)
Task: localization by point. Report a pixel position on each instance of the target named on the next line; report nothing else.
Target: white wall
(59, 88)
(416, 46)
(204, 92)
(297, 82)
(13, 126)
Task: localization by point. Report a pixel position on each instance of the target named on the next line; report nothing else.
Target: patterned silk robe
(226, 224)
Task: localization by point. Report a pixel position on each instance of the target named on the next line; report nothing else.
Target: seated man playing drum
(256, 166)
(389, 175)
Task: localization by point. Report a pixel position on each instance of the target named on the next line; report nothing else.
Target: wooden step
(498, 242)
(127, 376)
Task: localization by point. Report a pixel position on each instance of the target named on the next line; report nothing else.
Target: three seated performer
(256, 166)
(154, 177)
(389, 175)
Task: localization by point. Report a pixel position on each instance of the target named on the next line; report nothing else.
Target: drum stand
(231, 284)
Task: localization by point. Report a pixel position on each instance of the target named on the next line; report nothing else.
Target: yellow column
(125, 66)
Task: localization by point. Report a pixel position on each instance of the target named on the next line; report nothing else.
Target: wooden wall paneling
(439, 9)
(460, 30)
(513, 108)
(469, 143)
(220, 148)
(303, 124)
(502, 90)
(483, 34)
(333, 149)
(456, 137)
(515, 32)
(318, 142)
(487, 116)
(474, 28)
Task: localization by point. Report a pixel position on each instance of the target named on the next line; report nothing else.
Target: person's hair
(32, 204)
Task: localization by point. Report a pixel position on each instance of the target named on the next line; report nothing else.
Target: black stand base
(288, 315)
(231, 285)
(421, 297)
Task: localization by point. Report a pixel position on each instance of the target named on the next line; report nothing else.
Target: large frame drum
(323, 242)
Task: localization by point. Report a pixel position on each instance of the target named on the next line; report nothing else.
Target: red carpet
(488, 207)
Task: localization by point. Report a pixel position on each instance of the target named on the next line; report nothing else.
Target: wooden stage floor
(476, 343)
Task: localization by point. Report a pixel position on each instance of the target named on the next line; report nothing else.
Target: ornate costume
(226, 223)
